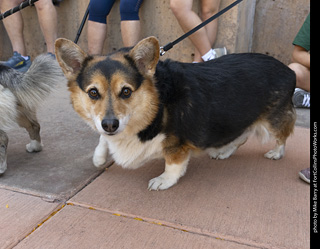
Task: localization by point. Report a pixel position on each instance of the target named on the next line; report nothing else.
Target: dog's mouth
(111, 133)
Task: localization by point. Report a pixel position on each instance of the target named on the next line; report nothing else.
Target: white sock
(210, 55)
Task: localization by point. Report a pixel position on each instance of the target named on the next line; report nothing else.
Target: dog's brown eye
(93, 93)
(126, 93)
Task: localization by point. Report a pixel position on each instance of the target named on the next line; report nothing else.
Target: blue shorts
(100, 9)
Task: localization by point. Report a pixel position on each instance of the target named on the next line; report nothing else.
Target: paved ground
(57, 199)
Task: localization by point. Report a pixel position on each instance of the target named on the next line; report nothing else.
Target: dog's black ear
(146, 55)
(70, 57)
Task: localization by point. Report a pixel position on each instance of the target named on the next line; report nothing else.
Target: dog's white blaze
(130, 152)
(127, 150)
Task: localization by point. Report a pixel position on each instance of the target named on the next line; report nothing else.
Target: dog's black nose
(110, 125)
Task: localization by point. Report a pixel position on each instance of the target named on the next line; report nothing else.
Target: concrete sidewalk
(57, 199)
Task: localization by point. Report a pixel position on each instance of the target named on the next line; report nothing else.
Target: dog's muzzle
(110, 125)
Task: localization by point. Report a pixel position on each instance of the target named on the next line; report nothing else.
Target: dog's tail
(36, 84)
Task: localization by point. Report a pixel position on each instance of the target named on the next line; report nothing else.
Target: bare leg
(208, 9)
(188, 19)
(96, 36)
(47, 16)
(130, 31)
(14, 26)
(302, 75)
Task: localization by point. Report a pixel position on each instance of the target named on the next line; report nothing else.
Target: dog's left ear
(146, 55)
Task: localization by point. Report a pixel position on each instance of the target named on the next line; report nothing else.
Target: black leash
(17, 8)
(167, 47)
(84, 19)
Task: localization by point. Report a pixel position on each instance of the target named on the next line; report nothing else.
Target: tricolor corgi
(145, 108)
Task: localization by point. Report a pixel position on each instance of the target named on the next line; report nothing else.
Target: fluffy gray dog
(20, 94)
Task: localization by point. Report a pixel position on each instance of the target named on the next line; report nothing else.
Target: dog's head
(115, 93)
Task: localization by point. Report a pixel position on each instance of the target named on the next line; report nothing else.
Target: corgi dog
(145, 108)
(20, 96)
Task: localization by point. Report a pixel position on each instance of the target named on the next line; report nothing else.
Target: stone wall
(276, 24)
(264, 26)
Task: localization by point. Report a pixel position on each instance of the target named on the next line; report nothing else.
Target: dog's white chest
(131, 153)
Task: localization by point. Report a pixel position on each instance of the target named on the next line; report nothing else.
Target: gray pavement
(303, 117)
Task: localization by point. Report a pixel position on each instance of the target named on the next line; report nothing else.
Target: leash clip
(162, 51)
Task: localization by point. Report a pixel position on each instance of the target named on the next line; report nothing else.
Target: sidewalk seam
(182, 228)
(59, 208)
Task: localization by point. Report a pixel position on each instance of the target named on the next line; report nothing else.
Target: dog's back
(212, 103)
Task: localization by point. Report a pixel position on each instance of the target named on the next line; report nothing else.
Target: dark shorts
(100, 9)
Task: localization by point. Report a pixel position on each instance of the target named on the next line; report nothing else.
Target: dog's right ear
(70, 57)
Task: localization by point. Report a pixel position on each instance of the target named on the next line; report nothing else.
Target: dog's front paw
(162, 182)
(99, 161)
(34, 146)
(100, 153)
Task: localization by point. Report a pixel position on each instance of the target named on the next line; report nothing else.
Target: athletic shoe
(305, 175)
(18, 62)
(301, 98)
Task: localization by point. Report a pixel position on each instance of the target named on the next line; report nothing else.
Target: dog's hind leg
(227, 150)
(28, 120)
(3, 151)
(281, 129)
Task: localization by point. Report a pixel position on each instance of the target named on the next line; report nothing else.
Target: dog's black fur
(212, 103)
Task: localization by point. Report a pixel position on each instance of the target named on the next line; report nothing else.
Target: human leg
(188, 19)
(302, 76)
(97, 24)
(96, 36)
(208, 9)
(301, 96)
(130, 32)
(48, 21)
(130, 22)
(14, 26)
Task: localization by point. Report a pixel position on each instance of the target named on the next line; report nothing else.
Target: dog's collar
(154, 128)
